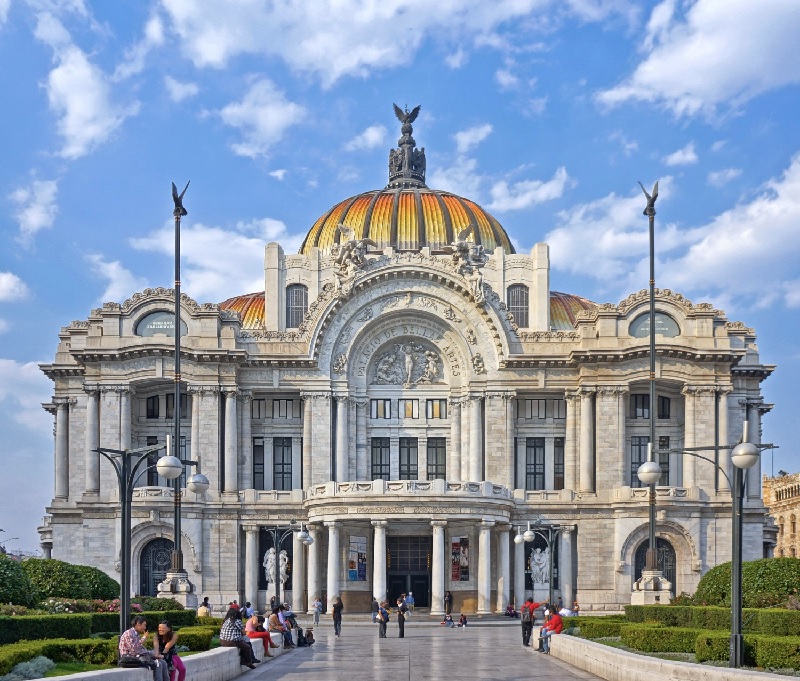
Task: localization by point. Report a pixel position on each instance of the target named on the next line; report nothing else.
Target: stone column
(511, 417)
(623, 460)
(724, 439)
(92, 440)
(307, 443)
(454, 450)
(125, 419)
(362, 450)
(297, 456)
(341, 439)
(379, 560)
(437, 568)
(299, 589)
(503, 568)
(231, 449)
(570, 442)
(246, 398)
(334, 557)
(62, 447)
(475, 440)
(485, 568)
(519, 573)
(251, 563)
(753, 488)
(586, 483)
(313, 567)
(689, 462)
(194, 445)
(565, 567)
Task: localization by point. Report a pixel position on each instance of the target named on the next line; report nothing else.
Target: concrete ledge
(619, 665)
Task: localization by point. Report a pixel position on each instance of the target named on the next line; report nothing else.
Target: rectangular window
(436, 409)
(663, 407)
(558, 463)
(534, 409)
(638, 456)
(380, 458)
(152, 473)
(409, 458)
(663, 461)
(380, 409)
(258, 463)
(534, 463)
(437, 452)
(283, 409)
(258, 409)
(171, 405)
(559, 409)
(152, 407)
(409, 409)
(640, 406)
(282, 463)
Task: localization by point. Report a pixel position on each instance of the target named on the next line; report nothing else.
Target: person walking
(448, 603)
(375, 609)
(402, 609)
(527, 617)
(410, 601)
(383, 619)
(338, 606)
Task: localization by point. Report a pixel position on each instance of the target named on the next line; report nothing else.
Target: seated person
(310, 640)
(510, 612)
(275, 626)
(462, 621)
(131, 645)
(232, 635)
(448, 620)
(555, 625)
(254, 629)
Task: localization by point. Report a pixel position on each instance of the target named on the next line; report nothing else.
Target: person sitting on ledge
(554, 625)
(255, 629)
(462, 621)
(232, 635)
(132, 650)
(448, 621)
(511, 612)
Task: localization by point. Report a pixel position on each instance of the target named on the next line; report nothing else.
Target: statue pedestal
(651, 589)
(541, 592)
(177, 585)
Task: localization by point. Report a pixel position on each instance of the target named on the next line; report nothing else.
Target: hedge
(55, 578)
(91, 651)
(773, 622)
(600, 627)
(765, 582)
(197, 638)
(79, 626)
(778, 652)
(15, 586)
(210, 622)
(714, 646)
(657, 639)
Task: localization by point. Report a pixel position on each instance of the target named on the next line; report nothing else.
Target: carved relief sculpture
(408, 364)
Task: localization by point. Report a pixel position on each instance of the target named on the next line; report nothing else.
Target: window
(640, 406)
(282, 463)
(436, 458)
(663, 461)
(409, 409)
(436, 409)
(171, 405)
(518, 304)
(151, 476)
(534, 463)
(793, 551)
(380, 409)
(283, 409)
(793, 525)
(380, 458)
(408, 458)
(558, 463)
(638, 456)
(533, 409)
(559, 409)
(258, 463)
(258, 409)
(152, 473)
(663, 407)
(296, 305)
(152, 407)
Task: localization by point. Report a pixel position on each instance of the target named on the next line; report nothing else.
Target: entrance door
(153, 565)
(666, 561)
(409, 569)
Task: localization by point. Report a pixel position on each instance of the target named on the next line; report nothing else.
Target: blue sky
(546, 112)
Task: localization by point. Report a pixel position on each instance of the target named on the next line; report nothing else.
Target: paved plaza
(427, 652)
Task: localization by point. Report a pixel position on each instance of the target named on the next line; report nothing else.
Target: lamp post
(278, 538)
(743, 456)
(549, 533)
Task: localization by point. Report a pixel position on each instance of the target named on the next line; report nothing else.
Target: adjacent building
(409, 389)
(782, 498)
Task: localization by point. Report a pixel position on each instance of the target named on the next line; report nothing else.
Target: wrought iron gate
(666, 560)
(153, 564)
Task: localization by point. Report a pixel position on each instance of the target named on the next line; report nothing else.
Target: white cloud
(372, 137)
(682, 157)
(4, 326)
(262, 116)
(78, 92)
(220, 263)
(457, 59)
(135, 57)
(278, 174)
(535, 106)
(472, 137)
(719, 178)
(461, 178)
(179, 91)
(36, 208)
(12, 287)
(23, 389)
(121, 282)
(718, 145)
(505, 79)
(715, 54)
(792, 293)
(4, 7)
(628, 145)
(526, 193)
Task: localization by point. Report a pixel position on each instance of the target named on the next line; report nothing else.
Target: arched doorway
(665, 557)
(153, 565)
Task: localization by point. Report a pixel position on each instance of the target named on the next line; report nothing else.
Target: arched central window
(296, 305)
(518, 304)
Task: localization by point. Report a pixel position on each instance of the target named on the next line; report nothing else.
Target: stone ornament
(408, 364)
(340, 364)
(478, 365)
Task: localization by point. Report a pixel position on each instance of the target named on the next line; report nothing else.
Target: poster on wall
(459, 559)
(357, 562)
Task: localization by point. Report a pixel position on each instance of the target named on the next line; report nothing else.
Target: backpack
(526, 613)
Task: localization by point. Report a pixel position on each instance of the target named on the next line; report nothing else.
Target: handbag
(133, 661)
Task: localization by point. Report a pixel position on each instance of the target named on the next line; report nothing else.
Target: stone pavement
(479, 653)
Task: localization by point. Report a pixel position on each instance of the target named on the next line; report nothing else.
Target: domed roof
(406, 214)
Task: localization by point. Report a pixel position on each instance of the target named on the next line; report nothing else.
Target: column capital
(456, 401)
(379, 523)
(438, 523)
(91, 389)
(504, 527)
(572, 395)
(724, 390)
(251, 528)
(487, 524)
(332, 524)
(342, 398)
(230, 391)
(315, 395)
(64, 402)
(245, 395)
(612, 389)
(586, 390)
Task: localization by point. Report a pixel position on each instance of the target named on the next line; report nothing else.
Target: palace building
(408, 389)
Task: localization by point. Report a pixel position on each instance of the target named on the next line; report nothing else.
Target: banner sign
(459, 571)
(357, 563)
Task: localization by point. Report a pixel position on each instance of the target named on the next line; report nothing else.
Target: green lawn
(65, 668)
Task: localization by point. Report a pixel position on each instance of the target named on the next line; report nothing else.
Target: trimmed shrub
(105, 621)
(58, 650)
(177, 618)
(714, 646)
(710, 618)
(100, 584)
(600, 627)
(765, 582)
(152, 604)
(55, 578)
(32, 628)
(209, 622)
(778, 652)
(658, 639)
(669, 615)
(197, 638)
(15, 585)
(774, 622)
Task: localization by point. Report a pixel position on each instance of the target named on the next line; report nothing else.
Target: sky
(546, 112)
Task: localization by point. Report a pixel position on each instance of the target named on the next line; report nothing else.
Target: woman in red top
(254, 629)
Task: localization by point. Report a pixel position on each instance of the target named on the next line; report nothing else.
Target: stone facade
(782, 498)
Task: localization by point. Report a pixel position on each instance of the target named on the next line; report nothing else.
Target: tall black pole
(737, 491)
